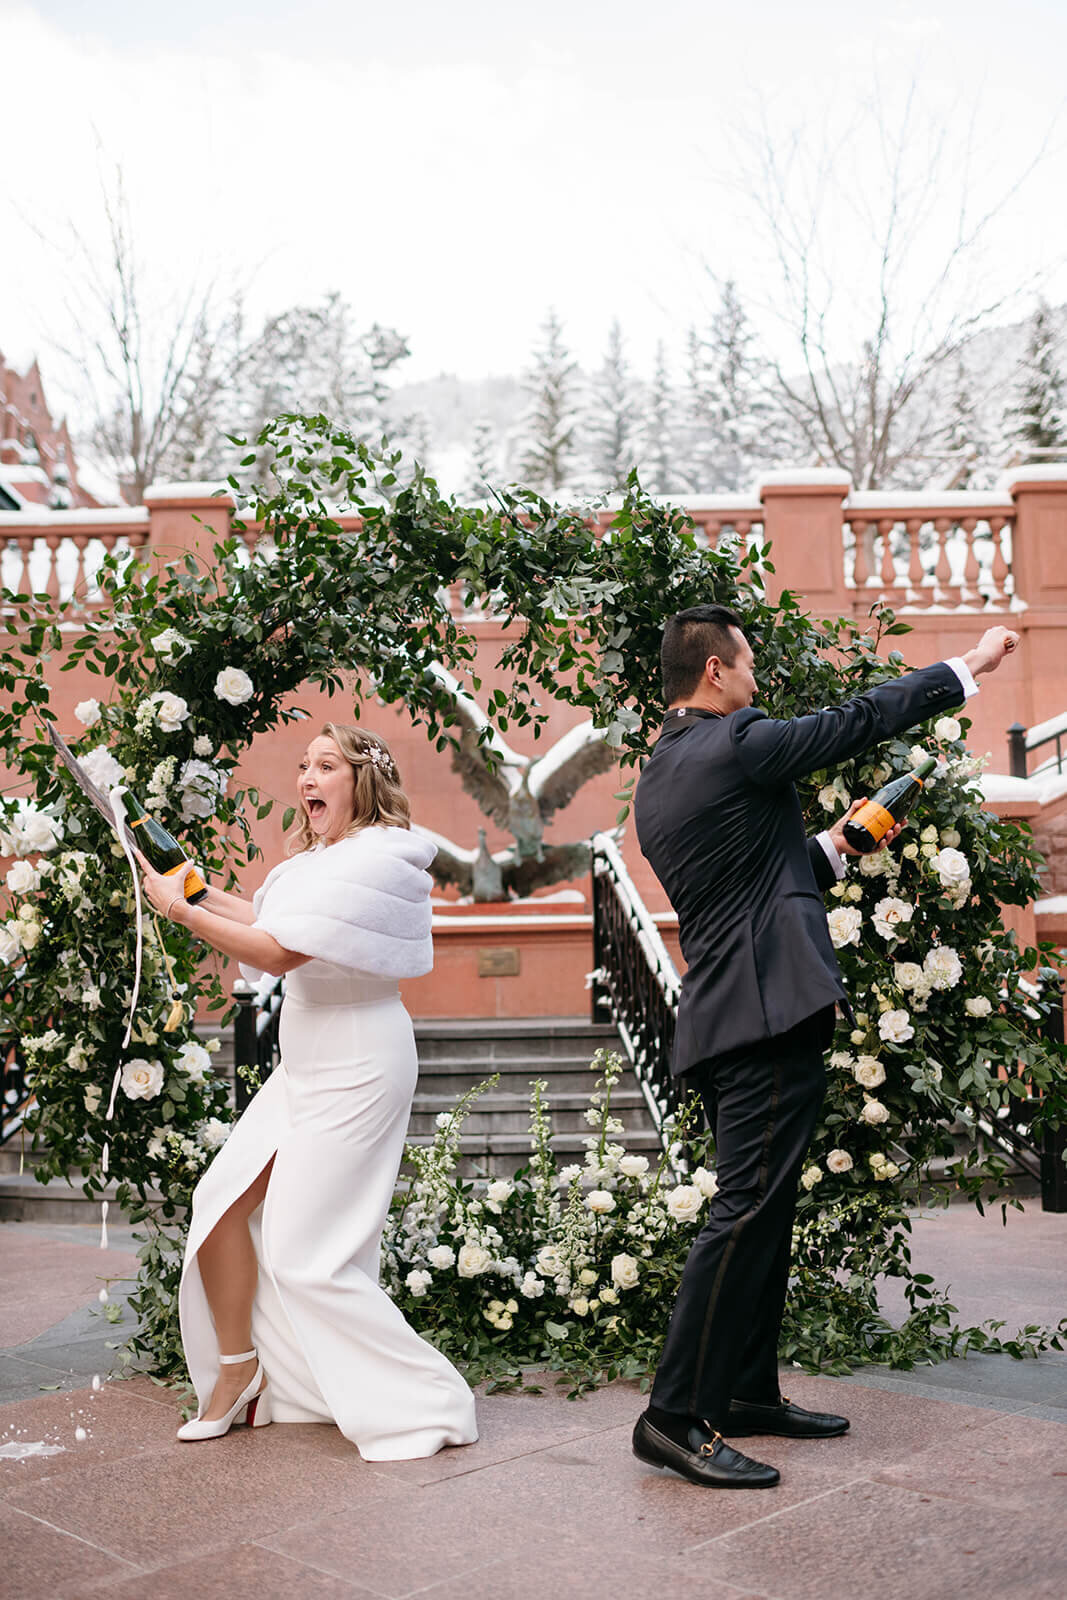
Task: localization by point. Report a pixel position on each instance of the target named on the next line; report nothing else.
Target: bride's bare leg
(228, 1272)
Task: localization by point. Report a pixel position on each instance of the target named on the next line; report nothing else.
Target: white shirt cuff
(964, 674)
(831, 853)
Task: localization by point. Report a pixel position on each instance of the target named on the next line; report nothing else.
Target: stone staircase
(453, 1057)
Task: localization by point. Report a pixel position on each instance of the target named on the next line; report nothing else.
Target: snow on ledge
(804, 478)
(1047, 472)
(903, 500)
(999, 788)
(218, 490)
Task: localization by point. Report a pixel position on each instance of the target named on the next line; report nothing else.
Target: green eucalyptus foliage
(365, 610)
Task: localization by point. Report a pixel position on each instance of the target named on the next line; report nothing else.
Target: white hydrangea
(567, 1175)
(978, 1005)
(418, 1282)
(947, 729)
(88, 713)
(213, 1133)
(839, 1161)
(943, 967)
(203, 746)
(102, 768)
(201, 785)
(844, 923)
(891, 915)
(841, 1060)
(442, 1256)
(895, 1027)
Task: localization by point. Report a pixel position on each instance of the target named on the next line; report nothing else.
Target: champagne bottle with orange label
(870, 824)
(162, 848)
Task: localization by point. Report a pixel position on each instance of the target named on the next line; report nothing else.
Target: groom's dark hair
(689, 639)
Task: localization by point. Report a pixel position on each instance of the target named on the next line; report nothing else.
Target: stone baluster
(997, 526)
(942, 568)
(969, 590)
(888, 571)
(913, 529)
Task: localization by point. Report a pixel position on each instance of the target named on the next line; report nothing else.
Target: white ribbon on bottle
(118, 811)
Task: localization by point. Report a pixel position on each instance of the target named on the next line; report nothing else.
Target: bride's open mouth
(316, 808)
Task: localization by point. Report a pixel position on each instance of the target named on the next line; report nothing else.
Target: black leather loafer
(785, 1420)
(708, 1460)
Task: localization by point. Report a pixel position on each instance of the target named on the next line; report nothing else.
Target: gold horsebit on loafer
(716, 1438)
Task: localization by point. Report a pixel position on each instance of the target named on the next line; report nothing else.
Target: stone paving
(952, 1484)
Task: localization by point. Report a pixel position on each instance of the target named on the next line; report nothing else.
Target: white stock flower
(706, 1182)
(907, 974)
(194, 1061)
(567, 1175)
(943, 967)
(532, 1287)
(978, 1006)
(88, 713)
(472, 1260)
(213, 1133)
(169, 645)
(418, 1282)
(810, 1177)
(951, 866)
(890, 915)
(895, 1027)
(844, 924)
(234, 686)
(684, 1202)
(600, 1201)
(625, 1273)
(874, 1113)
(869, 1072)
(23, 878)
(947, 729)
(100, 765)
(633, 1166)
(200, 785)
(442, 1256)
(141, 1079)
(839, 1161)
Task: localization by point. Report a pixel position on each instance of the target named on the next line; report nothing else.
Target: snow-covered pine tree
(700, 418)
(659, 434)
(612, 417)
(1039, 416)
(966, 446)
(549, 430)
(483, 469)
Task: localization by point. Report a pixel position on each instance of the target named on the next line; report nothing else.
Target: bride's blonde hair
(379, 799)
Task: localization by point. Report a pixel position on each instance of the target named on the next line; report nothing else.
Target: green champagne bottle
(162, 848)
(866, 830)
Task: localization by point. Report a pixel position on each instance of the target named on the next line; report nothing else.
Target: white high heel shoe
(252, 1406)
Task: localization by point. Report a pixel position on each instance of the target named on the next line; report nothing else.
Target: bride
(282, 1315)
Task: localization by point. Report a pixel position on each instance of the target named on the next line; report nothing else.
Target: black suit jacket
(720, 822)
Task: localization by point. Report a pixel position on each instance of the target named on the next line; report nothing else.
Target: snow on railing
(945, 551)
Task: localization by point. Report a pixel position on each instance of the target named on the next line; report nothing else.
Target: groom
(720, 822)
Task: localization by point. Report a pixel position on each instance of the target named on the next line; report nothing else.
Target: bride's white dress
(334, 1116)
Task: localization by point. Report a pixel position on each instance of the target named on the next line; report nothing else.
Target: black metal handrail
(256, 1051)
(16, 1095)
(635, 982)
(1040, 1155)
(1021, 741)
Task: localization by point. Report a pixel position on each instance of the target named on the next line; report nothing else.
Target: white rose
(978, 1006)
(35, 830)
(854, 892)
(869, 1072)
(810, 1177)
(624, 1272)
(706, 1182)
(88, 713)
(213, 1133)
(10, 941)
(30, 934)
(633, 1166)
(844, 923)
(874, 864)
(103, 769)
(950, 837)
(532, 1287)
(580, 1307)
(549, 1261)
(600, 1202)
(890, 915)
(234, 686)
(587, 1277)
(943, 967)
(499, 1191)
(841, 1061)
(171, 710)
(200, 785)
(93, 1096)
(194, 1061)
(91, 998)
(895, 1027)
(203, 746)
(828, 798)
(418, 1282)
(169, 645)
(684, 1202)
(23, 878)
(910, 851)
(141, 1079)
(441, 1256)
(907, 974)
(951, 866)
(929, 834)
(917, 754)
(472, 1260)
(839, 1161)
(947, 729)
(874, 1113)
(609, 1297)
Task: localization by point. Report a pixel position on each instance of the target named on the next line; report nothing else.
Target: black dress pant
(762, 1103)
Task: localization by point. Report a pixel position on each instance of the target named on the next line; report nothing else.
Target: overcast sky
(454, 167)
